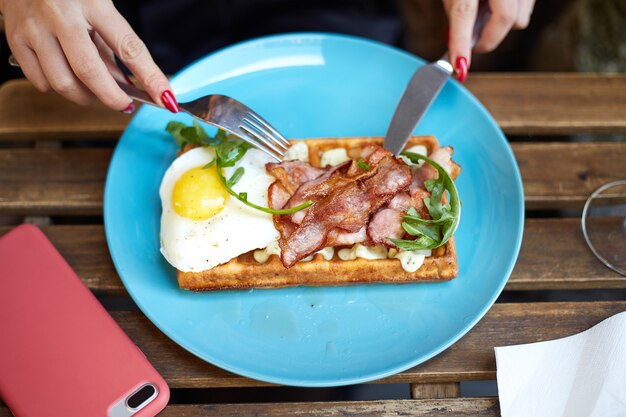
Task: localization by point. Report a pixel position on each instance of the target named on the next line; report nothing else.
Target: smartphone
(61, 353)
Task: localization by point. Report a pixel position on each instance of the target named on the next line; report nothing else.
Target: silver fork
(225, 113)
(228, 114)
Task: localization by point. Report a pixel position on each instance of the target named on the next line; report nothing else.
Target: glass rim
(594, 194)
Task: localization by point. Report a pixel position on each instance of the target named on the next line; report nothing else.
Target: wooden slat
(562, 175)
(479, 407)
(474, 407)
(27, 114)
(469, 359)
(71, 181)
(545, 262)
(537, 103)
(52, 181)
(436, 390)
(554, 255)
(521, 103)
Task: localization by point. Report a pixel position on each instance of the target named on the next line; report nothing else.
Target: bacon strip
(352, 204)
(347, 205)
(443, 156)
(292, 174)
(386, 223)
(339, 237)
(316, 189)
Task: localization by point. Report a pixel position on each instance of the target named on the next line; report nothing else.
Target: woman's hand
(69, 46)
(505, 15)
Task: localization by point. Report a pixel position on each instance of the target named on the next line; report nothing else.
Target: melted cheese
(334, 157)
(420, 149)
(328, 252)
(299, 151)
(411, 260)
(262, 255)
(364, 252)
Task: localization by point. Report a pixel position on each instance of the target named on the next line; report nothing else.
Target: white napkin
(580, 375)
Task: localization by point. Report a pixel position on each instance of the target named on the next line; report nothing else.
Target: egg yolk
(198, 194)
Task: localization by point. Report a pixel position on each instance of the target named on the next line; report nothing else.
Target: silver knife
(422, 90)
(420, 93)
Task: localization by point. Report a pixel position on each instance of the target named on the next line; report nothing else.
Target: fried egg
(202, 225)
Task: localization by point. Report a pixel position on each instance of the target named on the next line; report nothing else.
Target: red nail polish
(169, 101)
(461, 68)
(129, 109)
(128, 80)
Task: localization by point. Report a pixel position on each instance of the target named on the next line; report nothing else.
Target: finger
(503, 16)
(86, 63)
(108, 57)
(29, 64)
(461, 16)
(525, 10)
(58, 72)
(131, 50)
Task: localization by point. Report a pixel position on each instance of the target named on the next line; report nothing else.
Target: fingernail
(128, 80)
(169, 101)
(129, 109)
(461, 68)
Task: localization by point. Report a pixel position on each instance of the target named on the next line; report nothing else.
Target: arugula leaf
(243, 197)
(210, 164)
(234, 179)
(435, 232)
(363, 165)
(200, 133)
(421, 243)
(174, 128)
(228, 151)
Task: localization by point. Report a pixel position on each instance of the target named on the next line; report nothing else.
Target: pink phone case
(61, 353)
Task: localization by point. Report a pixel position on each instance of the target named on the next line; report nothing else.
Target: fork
(228, 114)
(223, 112)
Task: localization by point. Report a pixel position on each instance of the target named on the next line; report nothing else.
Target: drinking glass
(604, 225)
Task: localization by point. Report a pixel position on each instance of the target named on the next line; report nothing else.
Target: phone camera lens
(141, 396)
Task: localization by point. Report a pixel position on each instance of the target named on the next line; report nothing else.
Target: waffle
(243, 272)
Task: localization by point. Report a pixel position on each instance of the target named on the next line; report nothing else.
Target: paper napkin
(580, 375)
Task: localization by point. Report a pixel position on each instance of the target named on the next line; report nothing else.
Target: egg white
(194, 246)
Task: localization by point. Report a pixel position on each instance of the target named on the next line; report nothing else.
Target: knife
(422, 89)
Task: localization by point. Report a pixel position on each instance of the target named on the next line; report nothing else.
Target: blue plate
(317, 85)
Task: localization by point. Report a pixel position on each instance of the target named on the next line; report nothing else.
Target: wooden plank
(524, 103)
(554, 255)
(553, 103)
(471, 358)
(436, 390)
(479, 407)
(474, 407)
(53, 181)
(544, 262)
(71, 181)
(562, 175)
(27, 114)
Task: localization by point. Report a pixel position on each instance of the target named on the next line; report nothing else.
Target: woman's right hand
(69, 46)
(504, 16)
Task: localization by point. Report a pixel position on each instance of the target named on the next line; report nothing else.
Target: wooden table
(565, 132)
